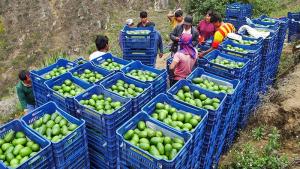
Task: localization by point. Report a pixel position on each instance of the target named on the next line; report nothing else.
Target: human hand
(25, 111)
(177, 39)
(161, 55)
(200, 54)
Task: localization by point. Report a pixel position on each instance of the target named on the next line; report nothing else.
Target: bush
(198, 8)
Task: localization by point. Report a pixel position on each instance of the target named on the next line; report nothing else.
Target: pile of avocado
(53, 127)
(154, 141)
(89, 76)
(227, 63)
(16, 148)
(125, 89)
(236, 49)
(179, 120)
(101, 104)
(68, 89)
(213, 86)
(142, 75)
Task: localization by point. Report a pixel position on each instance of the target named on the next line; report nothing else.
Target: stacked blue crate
(65, 103)
(159, 83)
(137, 101)
(42, 159)
(236, 14)
(231, 73)
(38, 78)
(213, 121)
(132, 156)
(294, 26)
(101, 127)
(140, 44)
(197, 133)
(71, 148)
(230, 103)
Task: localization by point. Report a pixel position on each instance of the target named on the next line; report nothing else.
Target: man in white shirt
(102, 47)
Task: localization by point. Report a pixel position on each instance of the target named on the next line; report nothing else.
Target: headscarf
(186, 46)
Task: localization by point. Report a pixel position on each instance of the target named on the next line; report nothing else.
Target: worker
(185, 27)
(176, 18)
(222, 30)
(205, 28)
(101, 45)
(146, 23)
(129, 23)
(144, 20)
(184, 59)
(25, 92)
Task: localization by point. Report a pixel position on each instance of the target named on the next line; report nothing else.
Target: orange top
(221, 33)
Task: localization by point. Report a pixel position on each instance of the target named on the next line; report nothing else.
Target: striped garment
(221, 33)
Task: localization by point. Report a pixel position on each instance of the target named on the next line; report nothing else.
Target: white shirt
(96, 54)
(189, 31)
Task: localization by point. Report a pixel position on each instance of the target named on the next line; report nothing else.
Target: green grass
(285, 7)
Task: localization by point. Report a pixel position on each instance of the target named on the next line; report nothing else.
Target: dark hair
(178, 13)
(101, 42)
(143, 14)
(210, 12)
(215, 18)
(23, 75)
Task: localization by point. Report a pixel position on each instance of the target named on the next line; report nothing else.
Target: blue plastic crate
(64, 150)
(138, 158)
(42, 159)
(237, 23)
(168, 63)
(222, 70)
(137, 102)
(294, 15)
(259, 41)
(253, 52)
(99, 60)
(80, 61)
(102, 144)
(65, 103)
(238, 10)
(98, 160)
(37, 78)
(159, 84)
(147, 57)
(80, 69)
(139, 41)
(213, 114)
(197, 133)
(107, 124)
(244, 116)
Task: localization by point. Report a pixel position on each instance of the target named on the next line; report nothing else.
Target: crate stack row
(236, 14)
(140, 44)
(112, 91)
(294, 26)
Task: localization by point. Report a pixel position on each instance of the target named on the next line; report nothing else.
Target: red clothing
(185, 64)
(206, 29)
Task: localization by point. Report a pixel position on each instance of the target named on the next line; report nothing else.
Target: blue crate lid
(60, 79)
(167, 131)
(16, 125)
(198, 72)
(175, 88)
(59, 63)
(100, 90)
(80, 69)
(97, 61)
(163, 98)
(137, 65)
(108, 82)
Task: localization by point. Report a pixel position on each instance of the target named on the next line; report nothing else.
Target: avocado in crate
(227, 62)
(68, 89)
(142, 75)
(110, 62)
(89, 73)
(66, 133)
(148, 144)
(16, 148)
(21, 148)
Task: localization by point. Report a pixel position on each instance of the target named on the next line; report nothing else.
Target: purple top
(206, 29)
